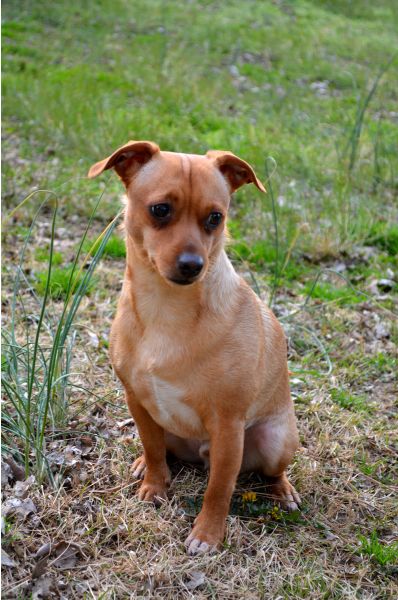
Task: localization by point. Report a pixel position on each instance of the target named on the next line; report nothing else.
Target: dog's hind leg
(184, 449)
(269, 448)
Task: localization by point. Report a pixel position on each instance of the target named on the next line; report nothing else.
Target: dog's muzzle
(188, 268)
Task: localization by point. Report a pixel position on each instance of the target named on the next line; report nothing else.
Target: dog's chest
(167, 406)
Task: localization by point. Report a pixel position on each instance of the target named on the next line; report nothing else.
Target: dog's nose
(189, 265)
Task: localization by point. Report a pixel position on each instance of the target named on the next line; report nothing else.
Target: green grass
(61, 280)
(381, 553)
(195, 76)
(332, 293)
(43, 254)
(37, 345)
(385, 237)
(352, 402)
(114, 248)
(296, 81)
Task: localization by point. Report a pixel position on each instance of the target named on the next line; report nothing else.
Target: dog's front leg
(157, 474)
(226, 451)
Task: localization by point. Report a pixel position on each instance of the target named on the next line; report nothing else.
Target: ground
(305, 91)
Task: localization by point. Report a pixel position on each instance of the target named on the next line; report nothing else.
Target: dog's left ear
(236, 171)
(126, 160)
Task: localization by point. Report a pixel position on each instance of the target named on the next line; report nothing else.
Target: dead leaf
(67, 555)
(197, 578)
(18, 507)
(385, 285)
(70, 456)
(22, 488)
(86, 440)
(94, 339)
(44, 588)
(6, 473)
(382, 331)
(18, 472)
(6, 560)
(125, 423)
(44, 550)
(40, 567)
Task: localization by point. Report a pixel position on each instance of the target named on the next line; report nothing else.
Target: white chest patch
(174, 415)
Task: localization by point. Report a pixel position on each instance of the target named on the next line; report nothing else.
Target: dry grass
(122, 548)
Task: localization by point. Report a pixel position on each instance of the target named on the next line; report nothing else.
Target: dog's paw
(138, 468)
(153, 492)
(284, 493)
(204, 539)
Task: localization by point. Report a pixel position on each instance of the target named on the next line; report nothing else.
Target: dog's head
(177, 204)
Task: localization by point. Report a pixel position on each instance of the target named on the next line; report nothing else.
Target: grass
(301, 91)
(350, 401)
(43, 255)
(36, 360)
(60, 282)
(114, 248)
(385, 238)
(330, 293)
(381, 553)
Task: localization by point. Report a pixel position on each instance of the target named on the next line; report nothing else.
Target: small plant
(349, 401)
(331, 293)
(114, 248)
(249, 497)
(384, 238)
(43, 254)
(60, 281)
(37, 352)
(380, 553)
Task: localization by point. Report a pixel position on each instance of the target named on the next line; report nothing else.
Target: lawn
(307, 92)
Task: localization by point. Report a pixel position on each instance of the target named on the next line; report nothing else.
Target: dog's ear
(126, 160)
(236, 171)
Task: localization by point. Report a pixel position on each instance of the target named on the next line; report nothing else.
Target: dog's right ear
(126, 160)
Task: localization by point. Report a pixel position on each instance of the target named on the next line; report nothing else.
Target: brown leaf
(6, 560)
(18, 472)
(18, 507)
(125, 423)
(40, 567)
(67, 555)
(22, 488)
(44, 550)
(197, 578)
(6, 473)
(44, 588)
(70, 456)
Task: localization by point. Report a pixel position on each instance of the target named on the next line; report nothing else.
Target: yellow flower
(275, 513)
(249, 497)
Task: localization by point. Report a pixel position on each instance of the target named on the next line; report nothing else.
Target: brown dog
(201, 358)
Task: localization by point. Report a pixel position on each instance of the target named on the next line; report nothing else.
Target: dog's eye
(213, 220)
(160, 211)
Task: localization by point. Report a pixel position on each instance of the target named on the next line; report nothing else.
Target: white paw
(195, 546)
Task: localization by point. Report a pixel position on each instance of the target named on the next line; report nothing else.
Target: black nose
(189, 265)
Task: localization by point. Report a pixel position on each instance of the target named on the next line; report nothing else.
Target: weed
(350, 401)
(330, 293)
(36, 364)
(356, 132)
(384, 237)
(43, 255)
(114, 248)
(61, 280)
(282, 79)
(381, 553)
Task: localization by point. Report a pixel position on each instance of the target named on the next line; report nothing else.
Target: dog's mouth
(183, 281)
